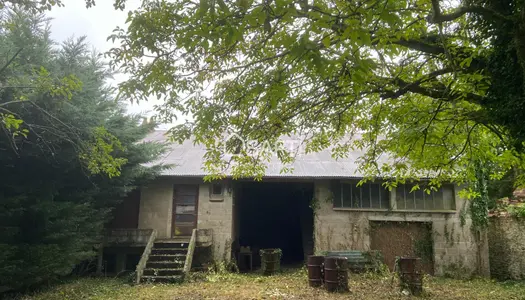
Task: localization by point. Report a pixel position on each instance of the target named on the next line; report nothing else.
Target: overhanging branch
(434, 93)
(437, 17)
(420, 46)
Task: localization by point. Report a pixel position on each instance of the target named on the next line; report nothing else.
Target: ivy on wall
(480, 198)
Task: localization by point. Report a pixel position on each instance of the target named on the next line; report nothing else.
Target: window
(216, 189)
(442, 199)
(368, 195)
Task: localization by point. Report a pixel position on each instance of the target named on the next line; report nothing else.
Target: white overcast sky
(97, 23)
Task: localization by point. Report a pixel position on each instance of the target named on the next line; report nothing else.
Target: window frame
(216, 197)
(454, 201)
(392, 200)
(352, 184)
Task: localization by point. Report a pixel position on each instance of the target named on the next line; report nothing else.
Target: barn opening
(274, 215)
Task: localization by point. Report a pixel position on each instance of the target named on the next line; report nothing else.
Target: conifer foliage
(68, 151)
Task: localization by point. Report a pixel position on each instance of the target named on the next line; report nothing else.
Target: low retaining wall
(507, 248)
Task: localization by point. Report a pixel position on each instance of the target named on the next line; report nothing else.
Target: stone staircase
(166, 261)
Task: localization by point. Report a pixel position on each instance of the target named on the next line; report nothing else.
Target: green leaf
(203, 7)
(223, 6)
(327, 41)
(466, 62)
(364, 37)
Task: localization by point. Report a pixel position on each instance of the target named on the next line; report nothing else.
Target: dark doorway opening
(275, 215)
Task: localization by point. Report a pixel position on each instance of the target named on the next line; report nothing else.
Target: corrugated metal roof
(187, 160)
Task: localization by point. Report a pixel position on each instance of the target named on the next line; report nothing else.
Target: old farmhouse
(316, 208)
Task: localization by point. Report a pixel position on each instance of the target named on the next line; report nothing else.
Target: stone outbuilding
(318, 207)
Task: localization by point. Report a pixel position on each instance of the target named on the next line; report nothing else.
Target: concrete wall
(456, 251)
(456, 247)
(217, 214)
(156, 205)
(507, 248)
(156, 201)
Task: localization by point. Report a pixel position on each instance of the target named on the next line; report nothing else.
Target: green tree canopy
(74, 155)
(436, 86)
(45, 5)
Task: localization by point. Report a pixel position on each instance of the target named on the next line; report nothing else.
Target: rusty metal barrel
(409, 265)
(410, 274)
(336, 274)
(315, 270)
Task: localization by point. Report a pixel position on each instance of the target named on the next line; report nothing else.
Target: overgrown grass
(290, 284)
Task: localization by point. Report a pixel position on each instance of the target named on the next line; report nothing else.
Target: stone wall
(507, 248)
(156, 205)
(456, 250)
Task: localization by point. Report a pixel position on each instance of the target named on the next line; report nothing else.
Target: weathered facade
(345, 216)
(213, 212)
(456, 248)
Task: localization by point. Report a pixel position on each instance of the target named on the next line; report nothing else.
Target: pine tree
(74, 156)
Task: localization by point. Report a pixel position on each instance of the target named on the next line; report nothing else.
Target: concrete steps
(164, 265)
(166, 261)
(161, 251)
(163, 272)
(163, 279)
(167, 257)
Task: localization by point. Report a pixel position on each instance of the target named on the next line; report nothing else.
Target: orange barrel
(315, 270)
(336, 274)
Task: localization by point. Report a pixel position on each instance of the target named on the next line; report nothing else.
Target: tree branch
(437, 17)
(413, 86)
(440, 93)
(420, 46)
(10, 60)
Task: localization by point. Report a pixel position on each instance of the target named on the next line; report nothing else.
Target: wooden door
(185, 201)
(403, 239)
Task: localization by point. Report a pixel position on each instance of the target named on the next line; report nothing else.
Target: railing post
(189, 255)
(145, 256)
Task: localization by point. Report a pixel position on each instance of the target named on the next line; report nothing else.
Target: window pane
(337, 201)
(385, 197)
(380, 196)
(438, 199)
(419, 195)
(430, 203)
(365, 194)
(346, 195)
(448, 197)
(356, 197)
(400, 197)
(216, 189)
(183, 230)
(375, 191)
(185, 199)
(184, 219)
(185, 209)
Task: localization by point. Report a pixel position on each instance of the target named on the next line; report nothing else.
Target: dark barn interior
(275, 215)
